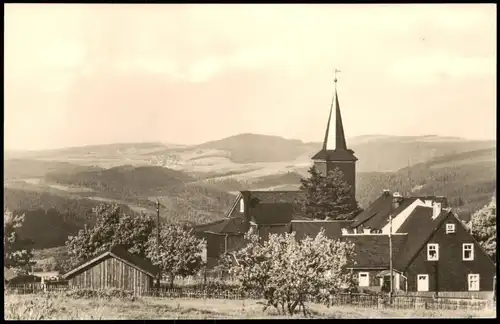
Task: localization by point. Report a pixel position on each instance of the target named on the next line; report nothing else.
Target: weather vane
(335, 80)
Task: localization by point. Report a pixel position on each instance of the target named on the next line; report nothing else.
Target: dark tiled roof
(335, 155)
(272, 213)
(377, 214)
(420, 227)
(373, 250)
(276, 196)
(231, 225)
(312, 228)
(210, 226)
(382, 218)
(274, 207)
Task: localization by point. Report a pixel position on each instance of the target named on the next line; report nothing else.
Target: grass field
(36, 307)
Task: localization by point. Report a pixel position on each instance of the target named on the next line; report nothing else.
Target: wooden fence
(449, 294)
(353, 300)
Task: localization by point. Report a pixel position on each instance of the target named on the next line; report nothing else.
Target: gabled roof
(372, 250)
(377, 214)
(120, 253)
(420, 227)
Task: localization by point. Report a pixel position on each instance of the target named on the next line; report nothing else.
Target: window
(242, 206)
(468, 252)
(450, 228)
(473, 280)
(432, 252)
(364, 279)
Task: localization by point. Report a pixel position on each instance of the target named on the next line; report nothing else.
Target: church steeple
(334, 144)
(336, 139)
(334, 153)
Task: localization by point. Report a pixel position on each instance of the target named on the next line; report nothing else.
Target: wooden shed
(115, 268)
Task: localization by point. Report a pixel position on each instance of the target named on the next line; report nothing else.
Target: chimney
(442, 200)
(396, 200)
(436, 209)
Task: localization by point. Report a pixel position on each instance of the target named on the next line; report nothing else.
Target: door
(364, 279)
(422, 282)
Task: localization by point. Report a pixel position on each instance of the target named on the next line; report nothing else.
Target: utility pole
(390, 259)
(158, 239)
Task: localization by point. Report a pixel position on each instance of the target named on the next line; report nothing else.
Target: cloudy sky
(86, 74)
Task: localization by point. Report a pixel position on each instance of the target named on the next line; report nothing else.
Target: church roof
(337, 150)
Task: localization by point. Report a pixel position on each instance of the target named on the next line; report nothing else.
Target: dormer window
(242, 205)
(432, 252)
(450, 228)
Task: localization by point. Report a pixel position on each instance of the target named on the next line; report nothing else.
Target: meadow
(60, 306)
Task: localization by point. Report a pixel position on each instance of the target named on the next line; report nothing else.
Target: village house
(115, 268)
(432, 251)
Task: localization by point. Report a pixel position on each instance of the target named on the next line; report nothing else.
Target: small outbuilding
(115, 268)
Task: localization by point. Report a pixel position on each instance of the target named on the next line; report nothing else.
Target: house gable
(450, 272)
(119, 254)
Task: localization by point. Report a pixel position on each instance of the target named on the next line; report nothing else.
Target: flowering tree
(18, 254)
(179, 251)
(484, 227)
(288, 272)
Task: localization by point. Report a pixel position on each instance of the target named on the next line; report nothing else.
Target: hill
(267, 154)
(29, 168)
(50, 218)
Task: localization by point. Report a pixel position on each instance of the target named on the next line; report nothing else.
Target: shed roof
(118, 252)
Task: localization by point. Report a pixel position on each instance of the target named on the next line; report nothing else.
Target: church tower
(335, 152)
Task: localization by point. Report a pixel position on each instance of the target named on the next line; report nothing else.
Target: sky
(85, 74)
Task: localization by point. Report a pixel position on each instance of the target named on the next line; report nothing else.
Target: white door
(364, 279)
(422, 282)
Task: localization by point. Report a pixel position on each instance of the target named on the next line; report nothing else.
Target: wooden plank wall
(112, 273)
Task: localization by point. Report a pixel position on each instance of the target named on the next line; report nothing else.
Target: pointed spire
(328, 126)
(334, 144)
(339, 143)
